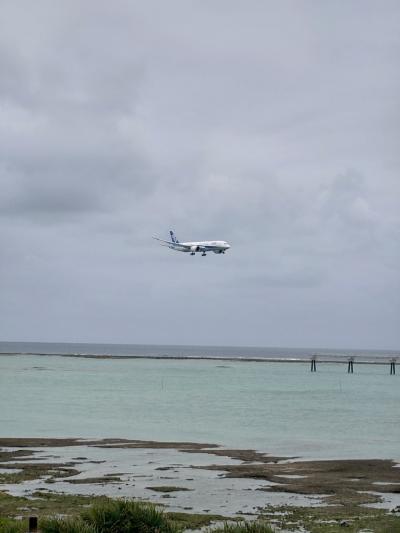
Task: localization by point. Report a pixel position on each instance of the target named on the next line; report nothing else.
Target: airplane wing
(172, 244)
(166, 243)
(176, 245)
(162, 240)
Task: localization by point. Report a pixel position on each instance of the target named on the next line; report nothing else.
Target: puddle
(290, 476)
(389, 500)
(10, 470)
(385, 483)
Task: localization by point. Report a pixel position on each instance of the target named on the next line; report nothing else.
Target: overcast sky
(273, 125)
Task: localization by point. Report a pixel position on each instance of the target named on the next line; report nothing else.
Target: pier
(361, 360)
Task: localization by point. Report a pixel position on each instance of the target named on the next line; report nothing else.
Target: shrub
(65, 525)
(122, 516)
(12, 526)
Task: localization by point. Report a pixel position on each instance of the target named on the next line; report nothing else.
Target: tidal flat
(200, 483)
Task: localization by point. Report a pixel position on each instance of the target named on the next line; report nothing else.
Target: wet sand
(103, 443)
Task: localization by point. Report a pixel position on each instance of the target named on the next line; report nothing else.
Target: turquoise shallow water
(281, 408)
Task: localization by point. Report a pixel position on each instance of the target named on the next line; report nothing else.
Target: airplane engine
(194, 249)
(218, 251)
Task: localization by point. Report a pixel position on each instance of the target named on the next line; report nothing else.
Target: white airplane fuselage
(218, 247)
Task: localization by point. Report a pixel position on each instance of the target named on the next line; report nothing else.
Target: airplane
(218, 247)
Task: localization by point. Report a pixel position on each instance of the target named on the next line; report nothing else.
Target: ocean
(149, 350)
(275, 407)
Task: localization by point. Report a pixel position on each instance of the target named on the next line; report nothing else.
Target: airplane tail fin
(173, 238)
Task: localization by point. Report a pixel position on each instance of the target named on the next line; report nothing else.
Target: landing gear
(203, 254)
(192, 253)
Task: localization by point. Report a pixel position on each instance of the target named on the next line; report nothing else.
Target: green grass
(112, 516)
(12, 526)
(194, 521)
(122, 516)
(66, 525)
(328, 519)
(85, 514)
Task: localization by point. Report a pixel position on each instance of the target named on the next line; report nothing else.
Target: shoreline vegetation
(346, 488)
(123, 516)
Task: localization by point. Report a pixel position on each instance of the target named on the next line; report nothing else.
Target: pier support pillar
(33, 524)
(392, 368)
(313, 365)
(350, 366)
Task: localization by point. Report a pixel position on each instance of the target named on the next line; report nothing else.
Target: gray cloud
(272, 126)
